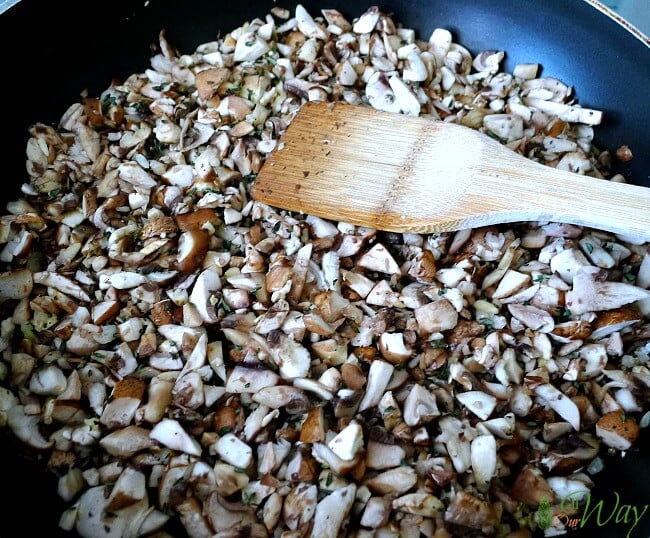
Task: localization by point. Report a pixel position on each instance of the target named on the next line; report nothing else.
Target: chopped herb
(247, 385)
(157, 149)
(140, 106)
(221, 304)
(629, 277)
(160, 87)
(532, 423)
(249, 43)
(249, 94)
(541, 278)
(224, 430)
(249, 177)
(53, 194)
(389, 409)
(439, 344)
(329, 479)
(276, 227)
(109, 101)
(248, 497)
(488, 322)
(589, 247)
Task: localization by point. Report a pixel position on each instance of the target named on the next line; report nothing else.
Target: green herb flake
(589, 247)
(109, 101)
(224, 430)
(51, 195)
(221, 304)
(488, 322)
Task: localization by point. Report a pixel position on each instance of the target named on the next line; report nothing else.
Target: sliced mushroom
(589, 294)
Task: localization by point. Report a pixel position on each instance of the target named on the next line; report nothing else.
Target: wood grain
(405, 174)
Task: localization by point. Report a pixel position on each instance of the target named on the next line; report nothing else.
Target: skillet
(52, 51)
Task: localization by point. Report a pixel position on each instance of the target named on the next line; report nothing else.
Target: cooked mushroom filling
(182, 353)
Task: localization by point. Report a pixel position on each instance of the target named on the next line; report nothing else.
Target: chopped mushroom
(176, 350)
(170, 433)
(617, 430)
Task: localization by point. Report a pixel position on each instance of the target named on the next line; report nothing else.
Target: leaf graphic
(544, 515)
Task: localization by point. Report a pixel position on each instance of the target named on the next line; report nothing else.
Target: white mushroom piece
(420, 406)
(592, 294)
(332, 511)
(171, 434)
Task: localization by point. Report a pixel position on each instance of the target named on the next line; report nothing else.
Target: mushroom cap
(617, 430)
(615, 320)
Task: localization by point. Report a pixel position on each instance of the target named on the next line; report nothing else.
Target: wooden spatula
(398, 173)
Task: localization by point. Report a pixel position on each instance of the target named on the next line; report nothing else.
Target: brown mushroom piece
(192, 248)
(617, 430)
(471, 512)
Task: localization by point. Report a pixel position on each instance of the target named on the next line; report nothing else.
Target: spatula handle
(542, 193)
